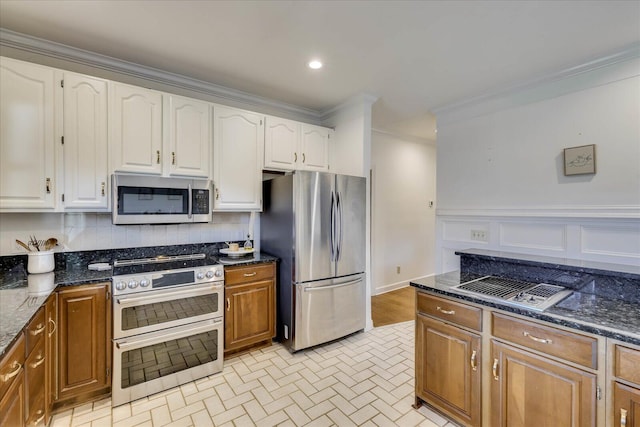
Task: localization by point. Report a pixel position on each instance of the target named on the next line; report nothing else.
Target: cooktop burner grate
(545, 291)
(496, 287)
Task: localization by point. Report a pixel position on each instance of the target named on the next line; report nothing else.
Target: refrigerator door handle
(340, 222)
(324, 288)
(332, 227)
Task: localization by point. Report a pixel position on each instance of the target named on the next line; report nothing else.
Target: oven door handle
(165, 336)
(167, 296)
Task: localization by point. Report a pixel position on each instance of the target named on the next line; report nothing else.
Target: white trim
(618, 212)
(449, 112)
(27, 43)
(404, 137)
(361, 99)
(397, 285)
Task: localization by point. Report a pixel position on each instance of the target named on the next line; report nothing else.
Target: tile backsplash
(87, 231)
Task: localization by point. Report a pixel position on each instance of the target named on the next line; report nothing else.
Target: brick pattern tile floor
(363, 380)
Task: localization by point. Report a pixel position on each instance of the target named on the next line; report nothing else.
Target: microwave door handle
(190, 213)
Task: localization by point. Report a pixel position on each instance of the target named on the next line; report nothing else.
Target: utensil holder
(40, 262)
(40, 284)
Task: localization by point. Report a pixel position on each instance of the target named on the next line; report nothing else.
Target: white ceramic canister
(40, 284)
(40, 262)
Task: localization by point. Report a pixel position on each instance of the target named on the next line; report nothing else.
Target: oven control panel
(142, 282)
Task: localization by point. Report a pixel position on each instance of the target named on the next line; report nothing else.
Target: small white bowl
(40, 262)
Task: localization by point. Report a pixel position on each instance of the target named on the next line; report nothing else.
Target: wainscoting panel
(551, 237)
(620, 242)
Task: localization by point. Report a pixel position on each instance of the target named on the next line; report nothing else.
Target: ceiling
(413, 55)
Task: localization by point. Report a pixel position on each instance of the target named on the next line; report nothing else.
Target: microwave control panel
(200, 201)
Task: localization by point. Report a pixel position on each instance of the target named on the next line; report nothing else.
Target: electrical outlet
(398, 270)
(479, 235)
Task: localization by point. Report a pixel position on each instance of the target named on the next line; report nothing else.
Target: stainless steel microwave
(158, 200)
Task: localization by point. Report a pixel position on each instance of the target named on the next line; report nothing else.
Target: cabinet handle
(39, 362)
(451, 312)
(494, 369)
(6, 377)
(250, 274)
(303, 158)
(102, 187)
(39, 330)
(54, 327)
(39, 420)
(536, 339)
(158, 157)
(217, 194)
(47, 185)
(173, 157)
(295, 157)
(623, 417)
(228, 304)
(474, 362)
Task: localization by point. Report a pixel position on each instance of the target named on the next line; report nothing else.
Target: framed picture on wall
(580, 160)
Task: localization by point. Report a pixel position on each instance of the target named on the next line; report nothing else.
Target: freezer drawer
(327, 310)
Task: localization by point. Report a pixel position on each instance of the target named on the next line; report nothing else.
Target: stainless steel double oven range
(167, 323)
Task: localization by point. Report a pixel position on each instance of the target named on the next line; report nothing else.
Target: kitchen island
(485, 361)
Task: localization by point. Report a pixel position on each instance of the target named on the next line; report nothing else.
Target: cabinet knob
(536, 339)
(39, 329)
(53, 322)
(443, 311)
(228, 304)
(217, 194)
(47, 185)
(295, 157)
(102, 187)
(173, 157)
(158, 157)
(303, 158)
(623, 417)
(16, 370)
(494, 369)
(250, 274)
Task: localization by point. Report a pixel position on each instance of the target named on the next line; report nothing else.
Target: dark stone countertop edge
(431, 284)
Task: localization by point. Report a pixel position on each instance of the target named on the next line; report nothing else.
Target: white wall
(87, 231)
(500, 169)
(403, 224)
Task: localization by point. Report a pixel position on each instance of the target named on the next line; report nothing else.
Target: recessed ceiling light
(315, 64)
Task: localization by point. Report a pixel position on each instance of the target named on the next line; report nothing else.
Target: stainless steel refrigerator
(315, 224)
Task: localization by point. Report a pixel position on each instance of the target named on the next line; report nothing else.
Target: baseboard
(395, 286)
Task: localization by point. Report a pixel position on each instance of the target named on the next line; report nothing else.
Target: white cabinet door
(85, 142)
(27, 135)
(314, 148)
(281, 141)
(135, 129)
(237, 159)
(189, 132)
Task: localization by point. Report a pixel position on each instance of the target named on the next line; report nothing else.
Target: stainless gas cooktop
(534, 296)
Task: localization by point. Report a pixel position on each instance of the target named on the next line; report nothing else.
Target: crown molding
(626, 54)
(360, 100)
(27, 43)
(404, 137)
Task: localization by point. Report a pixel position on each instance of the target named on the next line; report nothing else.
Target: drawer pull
(228, 304)
(40, 329)
(6, 377)
(250, 274)
(450, 312)
(494, 369)
(474, 362)
(158, 157)
(536, 339)
(38, 362)
(623, 417)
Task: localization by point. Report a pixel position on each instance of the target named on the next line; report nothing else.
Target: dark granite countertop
(22, 295)
(583, 311)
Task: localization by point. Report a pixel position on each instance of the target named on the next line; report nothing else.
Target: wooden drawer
(450, 311)
(627, 364)
(249, 273)
(11, 365)
(546, 339)
(35, 331)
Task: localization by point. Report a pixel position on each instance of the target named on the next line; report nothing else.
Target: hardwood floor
(393, 307)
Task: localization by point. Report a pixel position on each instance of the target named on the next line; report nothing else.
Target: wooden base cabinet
(448, 375)
(250, 306)
(84, 333)
(529, 390)
(12, 395)
(626, 406)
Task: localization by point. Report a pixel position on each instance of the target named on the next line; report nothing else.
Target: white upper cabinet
(85, 143)
(237, 159)
(314, 148)
(135, 129)
(189, 135)
(281, 141)
(27, 135)
(290, 145)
